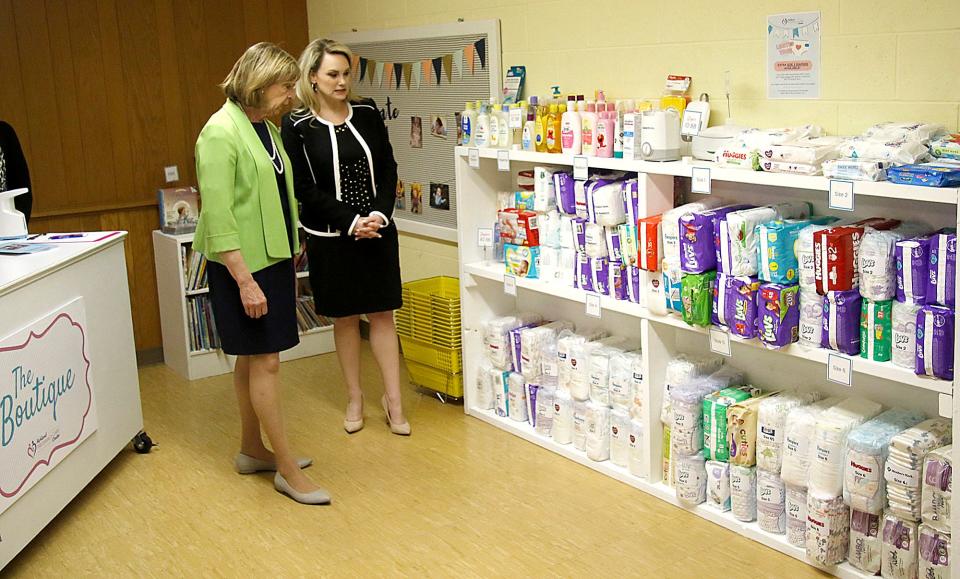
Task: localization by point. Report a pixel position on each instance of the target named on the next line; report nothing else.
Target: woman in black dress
(345, 177)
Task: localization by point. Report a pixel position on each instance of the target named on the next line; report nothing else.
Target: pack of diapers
(742, 431)
(597, 432)
(562, 428)
(496, 337)
(605, 205)
(738, 237)
(599, 276)
(691, 479)
(684, 369)
(718, 485)
(912, 266)
(715, 406)
(771, 422)
(631, 200)
(934, 553)
(696, 296)
(672, 285)
(805, 151)
(654, 294)
(580, 424)
(483, 387)
(544, 190)
(836, 252)
(634, 287)
(896, 152)
(856, 169)
(551, 267)
(544, 410)
(941, 285)
(622, 387)
(566, 341)
(516, 347)
(629, 248)
(550, 229)
(522, 261)
(771, 503)
(639, 387)
(901, 550)
(686, 430)
(865, 542)
(583, 195)
(532, 392)
(787, 167)
(798, 447)
(638, 461)
(830, 443)
(937, 489)
(743, 492)
(698, 250)
(599, 374)
(532, 342)
(898, 131)
(583, 367)
(946, 147)
(579, 225)
(828, 528)
(864, 488)
(584, 272)
(595, 241)
(876, 330)
(568, 235)
(620, 437)
(904, 352)
(517, 397)
(877, 264)
(670, 227)
(934, 342)
(519, 227)
(614, 245)
(649, 242)
(903, 471)
(778, 260)
(841, 321)
(501, 394)
(810, 327)
(735, 304)
(619, 281)
(806, 257)
(778, 314)
(796, 506)
(564, 188)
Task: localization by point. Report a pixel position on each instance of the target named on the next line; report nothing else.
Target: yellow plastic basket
(446, 359)
(431, 311)
(436, 380)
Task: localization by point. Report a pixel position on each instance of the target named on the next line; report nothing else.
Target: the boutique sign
(46, 398)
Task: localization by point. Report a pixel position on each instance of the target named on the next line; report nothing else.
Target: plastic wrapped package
(634, 287)
(760, 139)
(595, 241)
(913, 266)
(566, 341)
(934, 553)
(579, 424)
(903, 471)
(806, 257)
(856, 169)
(614, 245)
(670, 227)
(531, 390)
(900, 131)
(876, 330)
(666, 462)
(933, 174)
(649, 242)
(568, 235)
(544, 190)
(941, 281)
(550, 228)
(620, 437)
(864, 488)
(506, 200)
(680, 370)
(597, 427)
(639, 387)
(501, 394)
(483, 392)
(899, 152)
(878, 265)
(743, 492)
(901, 550)
(835, 263)
(718, 485)
(771, 420)
(696, 297)
(739, 243)
(841, 321)
(496, 337)
(777, 252)
(830, 442)
(543, 422)
(691, 479)
(866, 544)
(516, 348)
(905, 334)
(937, 493)
(778, 315)
(715, 407)
(686, 430)
(599, 374)
(564, 189)
(771, 503)
(672, 285)
(562, 430)
(638, 462)
(698, 239)
(629, 248)
(631, 200)
(580, 364)
(622, 385)
(619, 281)
(516, 397)
(796, 506)
(798, 444)
(810, 325)
(935, 336)
(550, 266)
(828, 528)
(579, 226)
(735, 304)
(807, 150)
(532, 342)
(946, 147)
(605, 205)
(742, 430)
(735, 154)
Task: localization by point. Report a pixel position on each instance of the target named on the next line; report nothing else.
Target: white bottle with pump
(482, 135)
(571, 131)
(588, 129)
(493, 137)
(505, 138)
(468, 125)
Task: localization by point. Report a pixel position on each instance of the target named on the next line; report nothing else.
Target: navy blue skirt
(241, 335)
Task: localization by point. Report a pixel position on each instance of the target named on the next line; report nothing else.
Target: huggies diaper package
(778, 252)
(519, 227)
(629, 248)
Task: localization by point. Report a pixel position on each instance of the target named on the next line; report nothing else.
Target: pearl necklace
(275, 157)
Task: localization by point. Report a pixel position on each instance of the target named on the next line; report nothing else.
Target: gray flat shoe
(246, 464)
(317, 497)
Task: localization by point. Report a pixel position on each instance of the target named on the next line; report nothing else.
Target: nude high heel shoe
(401, 429)
(352, 426)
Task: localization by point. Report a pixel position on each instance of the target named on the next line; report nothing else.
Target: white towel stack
(904, 466)
(937, 494)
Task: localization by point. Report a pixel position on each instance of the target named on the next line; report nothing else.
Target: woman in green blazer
(248, 232)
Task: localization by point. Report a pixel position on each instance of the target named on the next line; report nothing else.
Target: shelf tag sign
(840, 369)
(484, 237)
(580, 167)
(473, 156)
(720, 342)
(700, 180)
(841, 195)
(593, 305)
(503, 160)
(510, 285)
(516, 118)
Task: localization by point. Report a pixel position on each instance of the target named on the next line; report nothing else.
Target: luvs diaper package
(735, 304)
(778, 314)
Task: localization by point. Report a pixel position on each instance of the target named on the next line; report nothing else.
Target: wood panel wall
(105, 93)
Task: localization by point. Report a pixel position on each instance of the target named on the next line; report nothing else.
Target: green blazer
(238, 190)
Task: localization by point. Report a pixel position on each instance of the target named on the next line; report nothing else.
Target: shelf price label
(473, 157)
(700, 180)
(484, 237)
(593, 305)
(510, 285)
(503, 160)
(580, 167)
(720, 342)
(841, 195)
(516, 118)
(840, 369)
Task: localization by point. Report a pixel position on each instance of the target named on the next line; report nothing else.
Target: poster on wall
(46, 398)
(793, 56)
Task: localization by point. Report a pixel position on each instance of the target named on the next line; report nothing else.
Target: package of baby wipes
(946, 147)
(900, 131)
(856, 169)
(804, 151)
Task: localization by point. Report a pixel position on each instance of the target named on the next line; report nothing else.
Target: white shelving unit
(662, 337)
(173, 296)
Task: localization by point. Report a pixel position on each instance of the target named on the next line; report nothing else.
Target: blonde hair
(261, 66)
(310, 63)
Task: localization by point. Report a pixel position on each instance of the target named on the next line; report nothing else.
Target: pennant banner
(417, 74)
(379, 73)
(355, 63)
(372, 70)
(398, 72)
(407, 70)
(437, 64)
(426, 71)
(447, 65)
(458, 60)
(363, 68)
(469, 52)
(481, 46)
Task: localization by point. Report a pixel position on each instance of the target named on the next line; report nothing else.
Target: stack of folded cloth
(905, 464)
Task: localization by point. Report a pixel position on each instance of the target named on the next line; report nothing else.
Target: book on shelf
(202, 327)
(194, 269)
(179, 209)
(307, 317)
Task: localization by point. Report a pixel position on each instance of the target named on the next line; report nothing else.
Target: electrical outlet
(171, 173)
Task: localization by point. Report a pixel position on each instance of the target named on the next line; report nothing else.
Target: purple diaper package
(633, 286)
(698, 240)
(913, 265)
(600, 275)
(619, 280)
(566, 198)
(735, 304)
(580, 235)
(614, 249)
(778, 315)
(514, 341)
(584, 272)
(941, 286)
(841, 321)
(935, 342)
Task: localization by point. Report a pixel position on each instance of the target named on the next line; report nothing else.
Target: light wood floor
(458, 498)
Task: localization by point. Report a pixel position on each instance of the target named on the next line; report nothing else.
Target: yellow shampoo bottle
(540, 135)
(553, 130)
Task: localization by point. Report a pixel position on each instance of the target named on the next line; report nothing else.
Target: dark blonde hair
(310, 61)
(262, 65)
